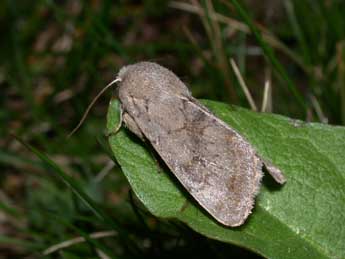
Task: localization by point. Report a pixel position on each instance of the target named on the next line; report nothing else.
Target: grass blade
(75, 187)
(269, 54)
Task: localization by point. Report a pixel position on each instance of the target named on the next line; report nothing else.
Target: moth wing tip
(232, 223)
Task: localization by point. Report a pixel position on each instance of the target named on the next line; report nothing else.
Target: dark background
(57, 55)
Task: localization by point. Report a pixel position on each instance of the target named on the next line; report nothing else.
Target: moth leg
(118, 127)
(275, 172)
(132, 125)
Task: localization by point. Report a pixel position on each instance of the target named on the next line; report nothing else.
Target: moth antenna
(91, 104)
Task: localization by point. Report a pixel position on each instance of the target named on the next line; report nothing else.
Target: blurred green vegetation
(55, 57)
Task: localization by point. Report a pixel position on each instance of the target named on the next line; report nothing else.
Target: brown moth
(214, 163)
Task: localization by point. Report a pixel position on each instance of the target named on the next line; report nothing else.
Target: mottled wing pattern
(213, 162)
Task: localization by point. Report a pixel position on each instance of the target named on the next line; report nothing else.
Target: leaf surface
(302, 219)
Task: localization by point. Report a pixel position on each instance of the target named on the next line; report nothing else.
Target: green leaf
(302, 219)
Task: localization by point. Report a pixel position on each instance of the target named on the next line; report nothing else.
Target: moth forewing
(215, 164)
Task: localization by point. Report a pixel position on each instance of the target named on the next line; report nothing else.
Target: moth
(214, 163)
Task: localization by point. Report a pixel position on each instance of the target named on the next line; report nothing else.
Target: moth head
(122, 75)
